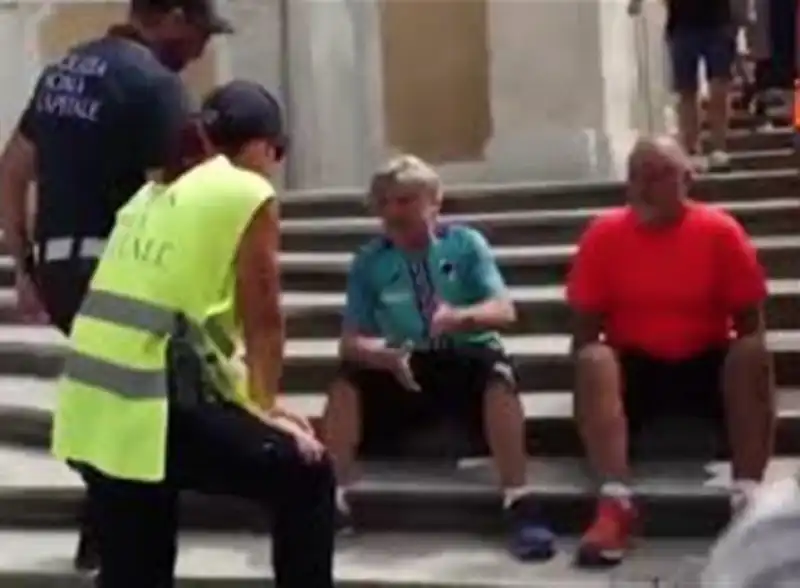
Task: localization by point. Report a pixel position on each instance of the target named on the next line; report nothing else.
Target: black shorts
(655, 389)
(452, 385)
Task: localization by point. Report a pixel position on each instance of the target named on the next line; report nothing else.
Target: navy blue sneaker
(531, 538)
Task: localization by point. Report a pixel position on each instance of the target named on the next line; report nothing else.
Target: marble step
(763, 217)
(542, 361)
(26, 406)
(322, 270)
(486, 197)
(680, 498)
(42, 559)
(325, 271)
(541, 309)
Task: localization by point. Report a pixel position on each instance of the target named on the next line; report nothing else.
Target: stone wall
(489, 90)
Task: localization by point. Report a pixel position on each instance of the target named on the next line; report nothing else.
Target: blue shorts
(715, 48)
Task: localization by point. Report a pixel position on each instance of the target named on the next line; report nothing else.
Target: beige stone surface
(436, 78)
(490, 90)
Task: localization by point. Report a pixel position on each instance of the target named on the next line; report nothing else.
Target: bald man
(654, 287)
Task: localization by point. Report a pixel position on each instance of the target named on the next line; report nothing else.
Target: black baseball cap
(241, 111)
(202, 12)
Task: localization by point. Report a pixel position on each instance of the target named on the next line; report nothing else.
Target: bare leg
(749, 395)
(342, 428)
(718, 98)
(600, 413)
(504, 423)
(689, 121)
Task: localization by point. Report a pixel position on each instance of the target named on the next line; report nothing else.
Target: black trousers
(217, 449)
(62, 286)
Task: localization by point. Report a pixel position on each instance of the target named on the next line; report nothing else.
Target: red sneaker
(607, 540)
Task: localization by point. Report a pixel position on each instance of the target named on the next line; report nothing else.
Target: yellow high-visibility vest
(172, 251)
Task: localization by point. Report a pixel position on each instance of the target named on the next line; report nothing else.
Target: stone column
(255, 51)
(563, 88)
(328, 78)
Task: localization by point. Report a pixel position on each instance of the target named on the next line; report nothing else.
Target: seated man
(419, 342)
(656, 287)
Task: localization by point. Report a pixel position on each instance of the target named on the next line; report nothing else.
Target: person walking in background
(783, 49)
(700, 31)
(757, 35)
(99, 121)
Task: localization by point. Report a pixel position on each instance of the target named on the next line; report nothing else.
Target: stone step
(761, 217)
(543, 361)
(774, 216)
(26, 407)
(326, 271)
(768, 159)
(540, 309)
(680, 499)
(749, 140)
(743, 120)
(41, 559)
(472, 198)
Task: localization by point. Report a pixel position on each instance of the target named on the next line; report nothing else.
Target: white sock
(742, 491)
(511, 495)
(341, 499)
(618, 491)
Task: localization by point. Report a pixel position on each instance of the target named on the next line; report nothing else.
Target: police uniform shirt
(100, 118)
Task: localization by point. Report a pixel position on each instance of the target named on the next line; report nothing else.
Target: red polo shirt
(669, 292)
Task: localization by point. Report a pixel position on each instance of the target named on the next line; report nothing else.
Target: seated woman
(150, 403)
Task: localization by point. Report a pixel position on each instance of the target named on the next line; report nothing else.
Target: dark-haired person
(701, 32)
(668, 299)
(133, 412)
(100, 119)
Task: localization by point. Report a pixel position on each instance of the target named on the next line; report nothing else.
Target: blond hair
(406, 171)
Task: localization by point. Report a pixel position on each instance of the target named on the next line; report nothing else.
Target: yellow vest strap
(132, 383)
(150, 318)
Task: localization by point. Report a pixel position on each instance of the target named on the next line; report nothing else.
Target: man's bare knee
(597, 369)
(748, 368)
(598, 382)
(502, 405)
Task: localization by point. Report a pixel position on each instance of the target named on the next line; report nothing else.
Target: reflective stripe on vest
(142, 316)
(125, 381)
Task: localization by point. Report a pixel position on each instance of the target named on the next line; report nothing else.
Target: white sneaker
(719, 160)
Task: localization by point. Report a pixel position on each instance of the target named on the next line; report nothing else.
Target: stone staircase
(431, 519)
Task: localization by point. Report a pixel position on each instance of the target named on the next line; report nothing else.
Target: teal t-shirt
(393, 294)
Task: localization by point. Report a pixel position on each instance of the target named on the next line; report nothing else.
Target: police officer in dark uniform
(99, 123)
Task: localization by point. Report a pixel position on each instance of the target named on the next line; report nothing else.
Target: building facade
(488, 90)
